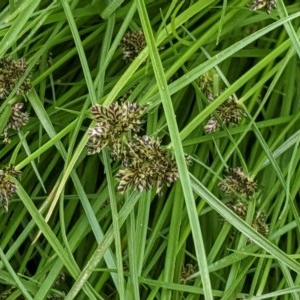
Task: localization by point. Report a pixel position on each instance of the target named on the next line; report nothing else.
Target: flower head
(132, 44)
(11, 71)
(146, 165)
(259, 223)
(7, 186)
(237, 182)
(212, 125)
(17, 119)
(240, 208)
(267, 5)
(206, 81)
(112, 123)
(229, 112)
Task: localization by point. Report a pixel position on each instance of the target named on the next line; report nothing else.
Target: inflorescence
(267, 5)
(7, 186)
(145, 162)
(229, 112)
(236, 184)
(112, 124)
(146, 165)
(17, 119)
(240, 208)
(11, 71)
(132, 44)
(236, 181)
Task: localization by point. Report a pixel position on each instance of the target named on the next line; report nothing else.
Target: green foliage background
(68, 234)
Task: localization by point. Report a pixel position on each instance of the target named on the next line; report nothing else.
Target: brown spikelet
(237, 182)
(146, 165)
(229, 112)
(132, 44)
(112, 123)
(17, 119)
(267, 5)
(11, 71)
(7, 186)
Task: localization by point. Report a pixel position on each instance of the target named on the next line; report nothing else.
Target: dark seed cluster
(205, 82)
(229, 112)
(7, 186)
(11, 71)
(267, 5)
(146, 165)
(17, 119)
(132, 44)
(236, 182)
(112, 123)
(240, 208)
(259, 223)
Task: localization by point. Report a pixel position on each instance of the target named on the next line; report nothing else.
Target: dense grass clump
(149, 149)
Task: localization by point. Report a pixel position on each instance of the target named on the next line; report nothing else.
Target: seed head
(112, 123)
(212, 125)
(146, 165)
(239, 208)
(7, 186)
(259, 224)
(237, 182)
(267, 5)
(132, 44)
(259, 221)
(11, 71)
(16, 120)
(187, 271)
(229, 112)
(205, 82)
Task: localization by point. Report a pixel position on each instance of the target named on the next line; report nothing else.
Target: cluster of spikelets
(266, 5)
(132, 44)
(7, 186)
(229, 112)
(11, 72)
(237, 184)
(17, 119)
(112, 124)
(146, 164)
(236, 181)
